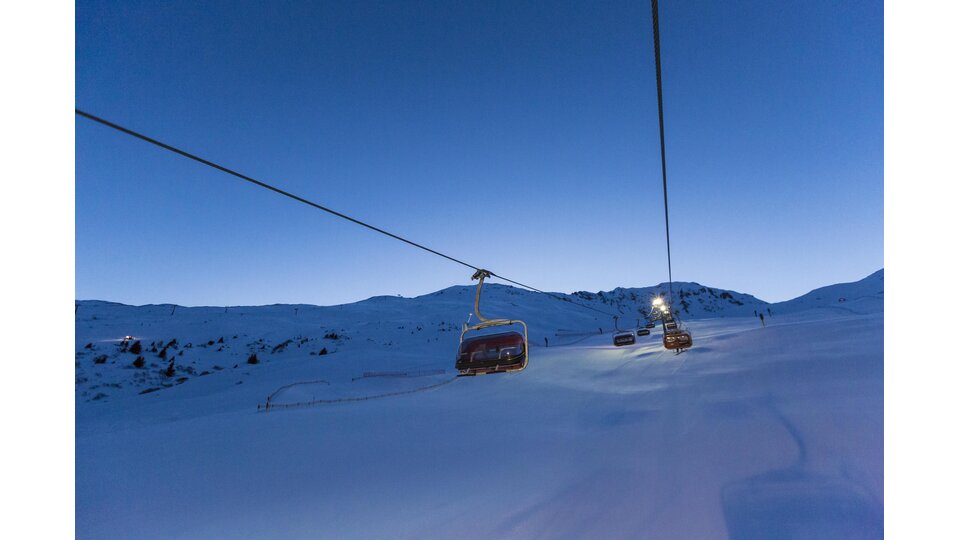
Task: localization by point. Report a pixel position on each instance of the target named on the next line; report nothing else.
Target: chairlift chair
(671, 325)
(650, 325)
(504, 352)
(621, 337)
(643, 332)
(677, 340)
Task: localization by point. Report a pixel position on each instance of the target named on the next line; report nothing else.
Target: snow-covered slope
(753, 433)
(202, 341)
(864, 296)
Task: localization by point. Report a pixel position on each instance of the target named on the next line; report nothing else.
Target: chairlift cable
(663, 152)
(673, 337)
(261, 184)
(297, 198)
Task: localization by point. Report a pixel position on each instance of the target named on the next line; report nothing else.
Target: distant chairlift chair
(642, 331)
(677, 340)
(621, 337)
(674, 338)
(491, 353)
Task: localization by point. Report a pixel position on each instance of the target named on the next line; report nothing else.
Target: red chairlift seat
(495, 353)
(492, 353)
(625, 338)
(677, 340)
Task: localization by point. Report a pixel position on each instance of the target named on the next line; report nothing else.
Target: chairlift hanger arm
(480, 274)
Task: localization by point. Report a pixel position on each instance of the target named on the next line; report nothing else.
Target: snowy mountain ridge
(177, 343)
(692, 300)
(864, 296)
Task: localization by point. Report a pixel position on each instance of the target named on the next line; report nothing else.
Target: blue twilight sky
(519, 136)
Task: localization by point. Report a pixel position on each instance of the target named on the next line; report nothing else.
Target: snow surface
(755, 432)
